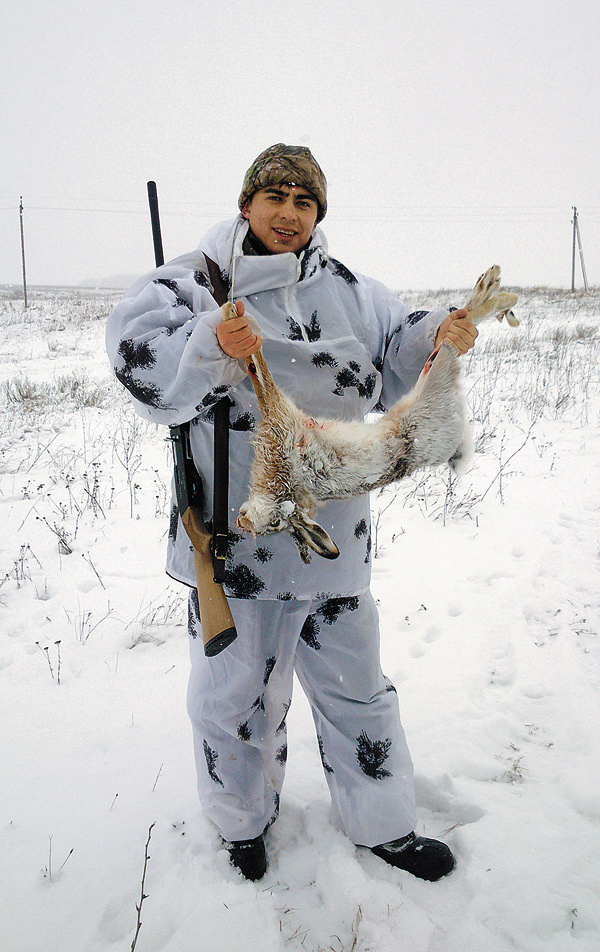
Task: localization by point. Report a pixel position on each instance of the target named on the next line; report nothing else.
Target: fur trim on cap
(292, 164)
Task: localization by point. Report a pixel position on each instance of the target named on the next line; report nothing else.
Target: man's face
(282, 216)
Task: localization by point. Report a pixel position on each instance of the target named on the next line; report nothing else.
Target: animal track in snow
(432, 634)
(535, 692)
(504, 672)
(439, 795)
(417, 650)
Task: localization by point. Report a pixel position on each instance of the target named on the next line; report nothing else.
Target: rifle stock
(218, 628)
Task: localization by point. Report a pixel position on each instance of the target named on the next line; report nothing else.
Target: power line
(423, 216)
(410, 215)
(416, 209)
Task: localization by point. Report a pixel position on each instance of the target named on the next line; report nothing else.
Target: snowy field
(490, 609)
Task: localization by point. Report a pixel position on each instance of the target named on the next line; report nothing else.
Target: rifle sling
(189, 484)
(220, 522)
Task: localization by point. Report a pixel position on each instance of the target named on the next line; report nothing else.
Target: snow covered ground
(490, 610)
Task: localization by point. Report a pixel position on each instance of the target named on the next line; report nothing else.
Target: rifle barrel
(155, 221)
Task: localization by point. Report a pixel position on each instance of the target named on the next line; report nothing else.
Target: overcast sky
(454, 134)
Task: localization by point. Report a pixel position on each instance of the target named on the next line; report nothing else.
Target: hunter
(341, 345)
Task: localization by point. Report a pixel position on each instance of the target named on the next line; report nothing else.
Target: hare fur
(300, 461)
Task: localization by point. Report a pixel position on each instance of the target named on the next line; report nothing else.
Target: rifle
(218, 628)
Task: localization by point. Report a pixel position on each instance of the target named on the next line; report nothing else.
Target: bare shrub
(25, 393)
(75, 389)
(80, 391)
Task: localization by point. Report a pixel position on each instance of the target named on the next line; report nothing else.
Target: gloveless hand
(458, 330)
(236, 337)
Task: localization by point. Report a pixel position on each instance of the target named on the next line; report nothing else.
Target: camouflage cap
(289, 164)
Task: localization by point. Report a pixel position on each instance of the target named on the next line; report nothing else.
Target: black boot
(249, 856)
(424, 858)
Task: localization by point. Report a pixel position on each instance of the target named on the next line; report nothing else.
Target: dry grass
(73, 389)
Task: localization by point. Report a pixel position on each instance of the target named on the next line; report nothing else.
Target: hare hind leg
(487, 300)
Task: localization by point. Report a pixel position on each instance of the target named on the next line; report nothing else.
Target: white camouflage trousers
(238, 702)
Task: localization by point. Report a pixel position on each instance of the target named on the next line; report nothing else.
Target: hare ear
(306, 532)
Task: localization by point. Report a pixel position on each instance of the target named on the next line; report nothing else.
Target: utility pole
(577, 242)
(23, 249)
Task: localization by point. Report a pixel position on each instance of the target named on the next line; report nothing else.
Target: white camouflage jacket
(339, 344)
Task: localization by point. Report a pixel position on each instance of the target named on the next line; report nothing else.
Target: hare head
(263, 514)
